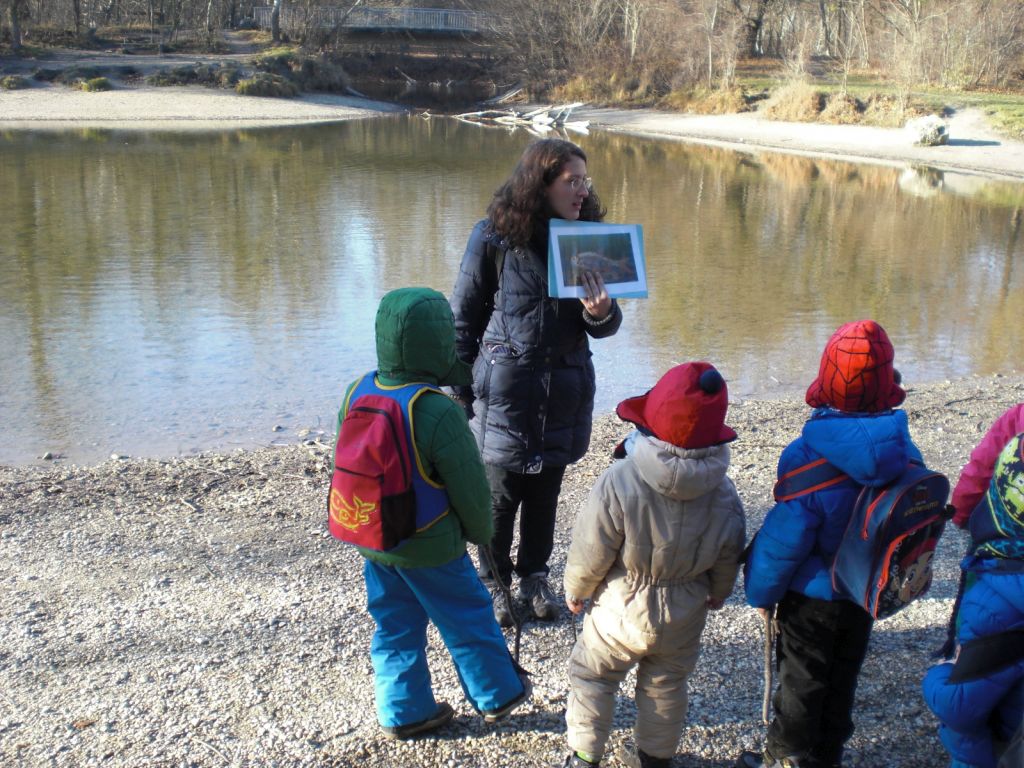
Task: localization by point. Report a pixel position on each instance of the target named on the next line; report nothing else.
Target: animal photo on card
(610, 255)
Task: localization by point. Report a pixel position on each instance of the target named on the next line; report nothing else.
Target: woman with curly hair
(532, 399)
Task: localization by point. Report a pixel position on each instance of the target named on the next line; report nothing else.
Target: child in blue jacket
(822, 640)
(978, 695)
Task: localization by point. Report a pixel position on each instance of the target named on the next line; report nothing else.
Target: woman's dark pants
(536, 499)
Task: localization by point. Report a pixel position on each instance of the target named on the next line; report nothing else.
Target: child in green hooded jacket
(429, 577)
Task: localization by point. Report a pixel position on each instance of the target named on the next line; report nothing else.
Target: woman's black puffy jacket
(533, 380)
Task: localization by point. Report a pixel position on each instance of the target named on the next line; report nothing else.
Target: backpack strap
(812, 477)
(808, 478)
(351, 393)
(983, 656)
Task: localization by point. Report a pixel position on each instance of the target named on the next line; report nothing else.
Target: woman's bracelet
(591, 320)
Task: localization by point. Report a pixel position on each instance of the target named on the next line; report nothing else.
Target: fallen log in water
(539, 119)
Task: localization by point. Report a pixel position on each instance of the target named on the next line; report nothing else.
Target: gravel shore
(194, 612)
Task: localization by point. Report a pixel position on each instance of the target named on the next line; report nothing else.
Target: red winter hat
(686, 407)
(856, 372)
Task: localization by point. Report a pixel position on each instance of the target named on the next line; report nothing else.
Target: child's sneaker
(575, 761)
(499, 599)
(443, 715)
(494, 715)
(534, 589)
(765, 760)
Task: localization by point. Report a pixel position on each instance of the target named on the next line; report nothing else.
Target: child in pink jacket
(970, 490)
(976, 474)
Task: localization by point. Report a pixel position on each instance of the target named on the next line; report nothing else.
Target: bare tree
(752, 13)
(16, 10)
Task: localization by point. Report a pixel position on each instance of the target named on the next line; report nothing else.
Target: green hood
(416, 338)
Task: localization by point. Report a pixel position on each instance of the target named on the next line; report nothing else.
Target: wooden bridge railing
(382, 19)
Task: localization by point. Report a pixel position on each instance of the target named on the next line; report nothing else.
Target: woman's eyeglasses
(576, 182)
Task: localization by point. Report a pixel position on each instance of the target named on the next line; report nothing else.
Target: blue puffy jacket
(797, 542)
(973, 713)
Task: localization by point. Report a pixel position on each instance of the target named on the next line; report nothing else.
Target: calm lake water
(168, 293)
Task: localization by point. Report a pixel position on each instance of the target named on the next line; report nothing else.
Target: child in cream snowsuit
(655, 548)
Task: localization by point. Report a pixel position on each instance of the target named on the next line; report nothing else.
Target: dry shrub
(796, 101)
(890, 111)
(320, 74)
(842, 109)
(678, 100)
(607, 89)
(310, 73)
(721, 101)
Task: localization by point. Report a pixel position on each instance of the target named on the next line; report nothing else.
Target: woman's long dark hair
(520, 206)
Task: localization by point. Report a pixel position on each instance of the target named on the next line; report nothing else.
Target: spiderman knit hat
(686, 407)
(856, 372)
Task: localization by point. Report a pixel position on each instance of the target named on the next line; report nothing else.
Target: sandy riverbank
(56, 107)
(974, 147)
(194, 612)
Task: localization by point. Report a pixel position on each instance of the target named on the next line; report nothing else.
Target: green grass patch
(14, 83)
(267, 84)
(308, 73)
(1009, 120)
(96, 84)
(277, 59)
(220, 75)
(76, 75)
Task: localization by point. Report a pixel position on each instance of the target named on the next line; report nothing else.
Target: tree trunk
(275, 22)
(825, 31)
(15, 26)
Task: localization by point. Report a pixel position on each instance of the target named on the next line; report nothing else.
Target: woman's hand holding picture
(597, 302)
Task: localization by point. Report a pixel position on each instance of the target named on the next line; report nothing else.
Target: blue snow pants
(401, 601)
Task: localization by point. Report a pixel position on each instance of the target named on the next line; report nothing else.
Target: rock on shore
(194, 612)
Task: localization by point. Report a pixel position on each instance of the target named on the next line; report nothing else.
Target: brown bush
(842, 109)
(797, 101)
(721, 101)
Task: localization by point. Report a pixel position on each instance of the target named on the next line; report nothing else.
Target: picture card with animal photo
(615, 251)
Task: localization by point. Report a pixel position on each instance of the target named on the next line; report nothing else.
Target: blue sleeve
(784, 541)
(967, 708)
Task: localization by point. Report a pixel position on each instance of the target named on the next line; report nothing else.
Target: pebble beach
(193, 611)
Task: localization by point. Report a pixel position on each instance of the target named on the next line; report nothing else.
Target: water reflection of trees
(752, 258)
(779, 249)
